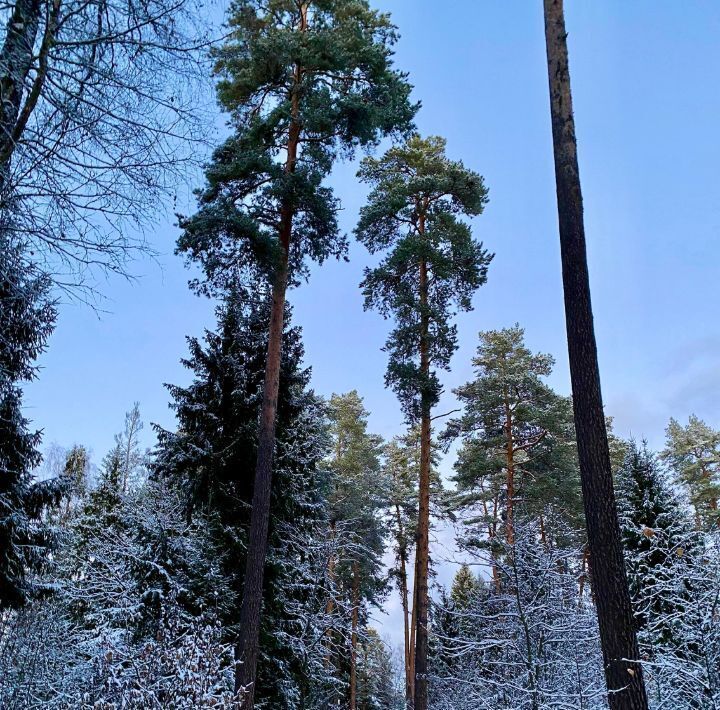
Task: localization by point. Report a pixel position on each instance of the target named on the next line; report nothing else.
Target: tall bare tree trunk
(330, 604)
(354, 635)
(402, 553)
(422, 561)
(247, 648)
(617, 634)
(510, 475)
(413, 634)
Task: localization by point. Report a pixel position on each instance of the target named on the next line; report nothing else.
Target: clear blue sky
(645, 79)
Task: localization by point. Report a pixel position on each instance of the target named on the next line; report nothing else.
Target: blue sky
(645, 82)
(645, 76)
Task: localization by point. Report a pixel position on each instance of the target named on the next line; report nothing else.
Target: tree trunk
(247, 648)
(330, 604)
(402, 554)
(422, 561)
(354, 636)
(510, 469)
(16, 57)
(413, 634)
(620, 650)
(583, 571)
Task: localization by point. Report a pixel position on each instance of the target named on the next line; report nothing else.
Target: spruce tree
(623, 673)
(656, 532)
(432, 268)
(27, 316)
(211, 458)
(305, 83)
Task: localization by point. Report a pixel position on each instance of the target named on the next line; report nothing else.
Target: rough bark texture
(413, 630)
(247, 648)
(422, 560)
(619, 644)
(402, 553)
(248, 642)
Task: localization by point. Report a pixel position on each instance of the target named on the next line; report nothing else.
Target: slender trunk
(543, 535)
(354, 636)
(510, 468)
(413, 634)
(583, 571)
(423, 533)
(247, 648)
(330, 604)
(617, 634)
(402, 554)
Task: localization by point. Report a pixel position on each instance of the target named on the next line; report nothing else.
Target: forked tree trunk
(422, 561)
(617, 635)
(247, 648)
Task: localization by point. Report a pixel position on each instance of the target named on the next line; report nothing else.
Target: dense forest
(247, 558)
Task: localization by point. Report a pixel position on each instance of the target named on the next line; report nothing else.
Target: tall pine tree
(614, 607)
(517, 453)
(356, 499)
(305, 83)
(693, 452)
(431, 269)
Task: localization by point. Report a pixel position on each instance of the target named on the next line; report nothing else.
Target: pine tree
(614, 607)
(693, 451)
(305, 82)
(433, 267)
(355, 501)
(518, 439)
(27, 316)
(211, 458)
(401, 471)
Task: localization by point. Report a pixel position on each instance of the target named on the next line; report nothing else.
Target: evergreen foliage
(693, 451)
(211, 457)
(518, 448)
(27, 317)
(414, 213)
(327, 91)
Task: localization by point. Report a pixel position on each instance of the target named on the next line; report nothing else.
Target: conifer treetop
(315, 74)
(414, 212)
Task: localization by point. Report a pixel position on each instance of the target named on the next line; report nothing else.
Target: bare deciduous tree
(99, 116)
